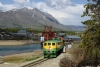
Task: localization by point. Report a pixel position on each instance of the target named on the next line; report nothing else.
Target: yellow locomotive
(53, 47)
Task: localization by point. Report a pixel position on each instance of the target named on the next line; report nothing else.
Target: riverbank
(17, 59)
(23, 57)
(16, 42)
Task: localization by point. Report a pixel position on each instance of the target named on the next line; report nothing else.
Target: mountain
(29, 18)
(1, 11)
(76, 28)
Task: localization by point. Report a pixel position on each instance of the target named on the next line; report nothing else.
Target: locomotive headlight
(49, 48)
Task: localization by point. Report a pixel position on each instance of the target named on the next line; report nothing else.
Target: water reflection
(7, 50)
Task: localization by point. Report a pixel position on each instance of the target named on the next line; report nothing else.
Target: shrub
(66, 62)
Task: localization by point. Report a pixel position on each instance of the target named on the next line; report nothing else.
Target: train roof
(53, 41)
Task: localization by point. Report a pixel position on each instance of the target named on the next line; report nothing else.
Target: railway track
(33, 64)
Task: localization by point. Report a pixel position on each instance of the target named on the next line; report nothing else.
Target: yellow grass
(23, 57)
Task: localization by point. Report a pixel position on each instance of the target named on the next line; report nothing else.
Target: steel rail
(32, 64)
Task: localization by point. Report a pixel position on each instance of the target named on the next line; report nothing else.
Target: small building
(22, 33)
(61, 34)
(71, 38)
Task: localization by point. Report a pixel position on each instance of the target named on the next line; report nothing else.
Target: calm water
(7, 50)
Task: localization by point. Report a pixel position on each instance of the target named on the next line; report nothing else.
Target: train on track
(52, 44)
(53, 47)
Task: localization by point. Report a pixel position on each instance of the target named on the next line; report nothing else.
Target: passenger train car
(53, 47)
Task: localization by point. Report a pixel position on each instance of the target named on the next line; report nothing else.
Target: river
(8, 50)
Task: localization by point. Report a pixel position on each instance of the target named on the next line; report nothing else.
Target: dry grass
(66, 62)
(14, 59)
(77, 53)
(23, 57)
(20, 59)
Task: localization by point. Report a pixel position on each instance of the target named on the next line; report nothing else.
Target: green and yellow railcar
(52, 47)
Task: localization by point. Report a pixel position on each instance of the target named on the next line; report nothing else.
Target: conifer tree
(91, 36)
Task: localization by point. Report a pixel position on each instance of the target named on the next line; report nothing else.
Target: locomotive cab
(49, 49)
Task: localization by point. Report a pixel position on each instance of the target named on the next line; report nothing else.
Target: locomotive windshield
(53, 44)
(49, 44)
(44, 44)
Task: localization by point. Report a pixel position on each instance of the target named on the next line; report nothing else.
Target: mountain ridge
(29, 18)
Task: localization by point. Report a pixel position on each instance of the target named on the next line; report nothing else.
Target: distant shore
(16, 42)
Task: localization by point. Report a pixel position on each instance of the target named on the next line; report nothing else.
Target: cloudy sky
(67, 12)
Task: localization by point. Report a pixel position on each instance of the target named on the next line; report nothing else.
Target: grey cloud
(1, 6)
(72, 21)
(21, 1)
(59, 4)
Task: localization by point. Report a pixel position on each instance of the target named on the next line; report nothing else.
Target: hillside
(29, 18)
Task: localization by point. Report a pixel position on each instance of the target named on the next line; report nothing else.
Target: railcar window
(44, 44)
(49, 44)
(58, 43)
(53, 44)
